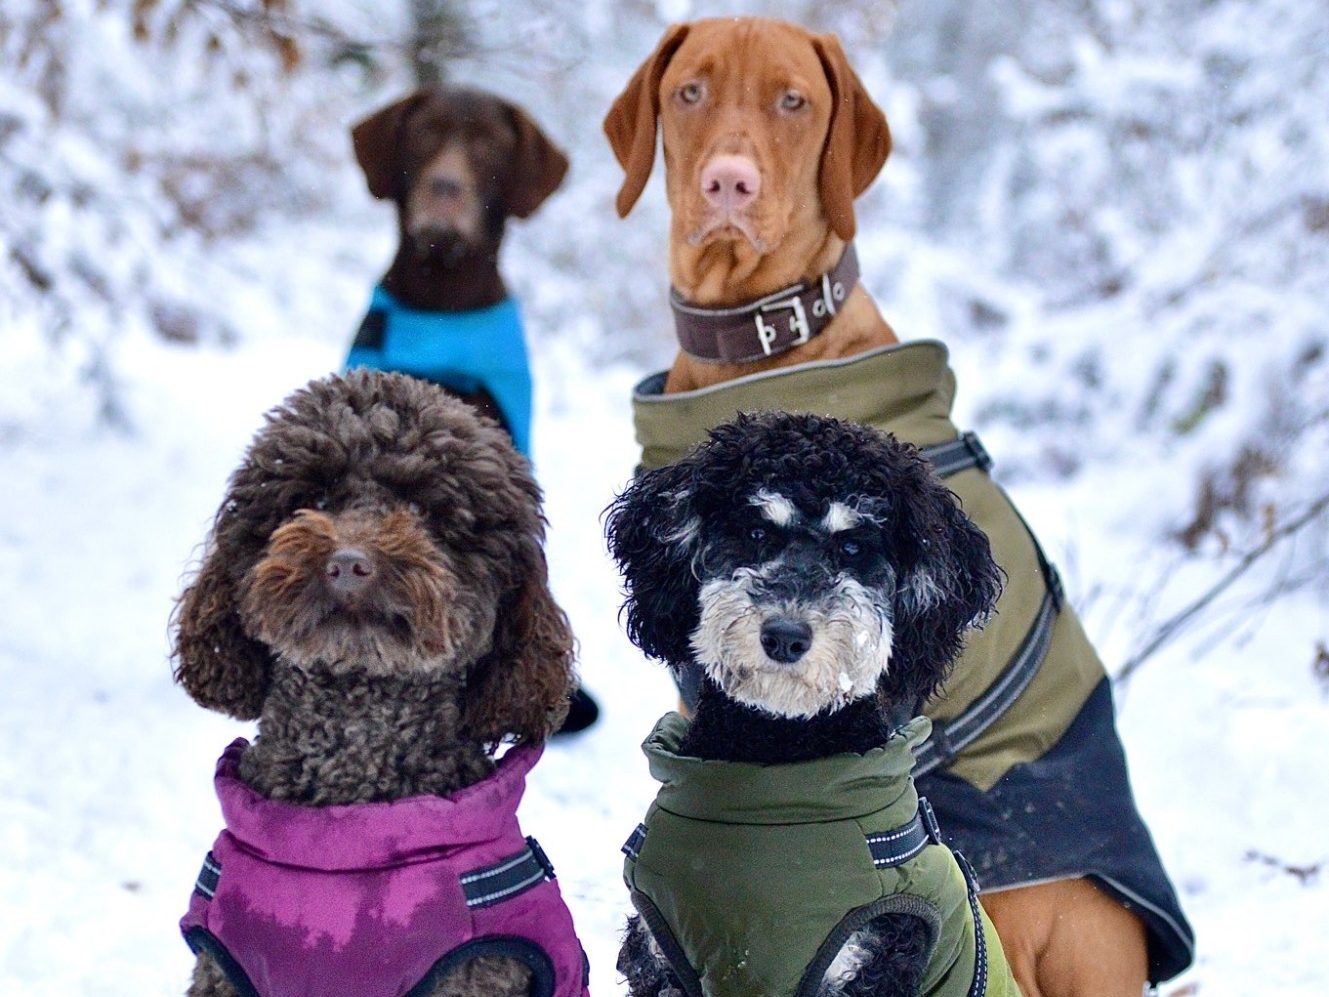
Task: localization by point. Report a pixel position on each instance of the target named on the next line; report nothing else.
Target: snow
(1100, 408)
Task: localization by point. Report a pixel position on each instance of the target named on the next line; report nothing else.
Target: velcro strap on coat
(208, 877)
(508, 877)
(372, 332)
(632, 847)
(959, 454)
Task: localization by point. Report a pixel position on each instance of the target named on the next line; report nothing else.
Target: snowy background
(1115, 213)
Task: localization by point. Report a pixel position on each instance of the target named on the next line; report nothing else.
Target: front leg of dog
(886, 958)
(1069, 939)
(644, 967)
(209, 980)
(487, 976)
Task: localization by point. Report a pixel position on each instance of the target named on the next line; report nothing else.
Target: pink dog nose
(349, 571)
(730, 182)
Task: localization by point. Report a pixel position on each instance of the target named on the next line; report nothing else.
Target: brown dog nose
(730, 182)
(349, 571)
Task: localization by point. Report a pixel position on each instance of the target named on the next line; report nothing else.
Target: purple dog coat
(379, 899)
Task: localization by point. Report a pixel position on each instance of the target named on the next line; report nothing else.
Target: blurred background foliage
(1116, 212)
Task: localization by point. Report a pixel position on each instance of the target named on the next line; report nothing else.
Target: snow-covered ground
(106, 804)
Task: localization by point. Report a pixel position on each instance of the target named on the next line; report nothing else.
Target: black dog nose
(784, 640)
(349, 570)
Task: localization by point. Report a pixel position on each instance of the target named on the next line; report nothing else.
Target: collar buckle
(798, 323)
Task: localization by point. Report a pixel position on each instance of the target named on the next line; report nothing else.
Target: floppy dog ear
(219, 666)
(631, 122)
(375, 141)
(537, 168)
(949, 583)
(522, 686)
(652, 532)
(858, 139)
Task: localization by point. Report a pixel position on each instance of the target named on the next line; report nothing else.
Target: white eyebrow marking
(778, 509)
(840, 517)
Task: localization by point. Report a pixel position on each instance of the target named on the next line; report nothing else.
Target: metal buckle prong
(798, 323)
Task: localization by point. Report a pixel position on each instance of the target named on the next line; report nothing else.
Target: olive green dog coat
(750, 877)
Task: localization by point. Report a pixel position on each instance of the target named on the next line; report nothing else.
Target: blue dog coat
(465, 351)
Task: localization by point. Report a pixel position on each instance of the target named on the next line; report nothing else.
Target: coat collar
(840, 787)
(371, 835)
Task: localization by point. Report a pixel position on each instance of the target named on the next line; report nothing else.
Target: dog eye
(792, 101)
(850, 548)
(414, 508)
(758, 533)
(690, 93)
(321, 502)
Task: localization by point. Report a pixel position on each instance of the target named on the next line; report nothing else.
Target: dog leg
(209, 980)
(487, 976)
(643, 965)
(1069, 939)
(888, 956)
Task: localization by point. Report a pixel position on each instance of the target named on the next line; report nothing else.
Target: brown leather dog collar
(769, 325)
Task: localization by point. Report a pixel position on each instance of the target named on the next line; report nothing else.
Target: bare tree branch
(1169, 629)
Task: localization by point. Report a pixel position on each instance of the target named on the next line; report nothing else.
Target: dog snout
(446, 187)
(785, 640)
(730, 182)
(349, 571)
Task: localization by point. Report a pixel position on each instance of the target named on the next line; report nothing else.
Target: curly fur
(680, 527)
(404, 686)
(800, 521)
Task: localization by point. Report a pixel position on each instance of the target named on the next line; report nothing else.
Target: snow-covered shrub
(1156, 177)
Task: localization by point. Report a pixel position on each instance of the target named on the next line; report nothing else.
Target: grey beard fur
(344, 736)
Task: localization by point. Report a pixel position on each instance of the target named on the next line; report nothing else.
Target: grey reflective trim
(514, 874)
(951, 738)
(659, 398)
(979, 985)
(208, 876)
(1154, 909)
(959, 454)
(632, 847)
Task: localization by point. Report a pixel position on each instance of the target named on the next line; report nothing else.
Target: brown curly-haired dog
(374, 593)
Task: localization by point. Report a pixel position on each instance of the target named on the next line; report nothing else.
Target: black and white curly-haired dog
(822, 580)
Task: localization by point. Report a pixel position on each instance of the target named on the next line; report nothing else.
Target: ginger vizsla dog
(768, 137)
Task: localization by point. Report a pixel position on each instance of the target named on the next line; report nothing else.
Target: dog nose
(730, 182)
(784, 640)
(349, 571)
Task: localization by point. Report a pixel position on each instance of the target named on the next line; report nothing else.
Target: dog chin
(441, 247)
(849, 652)
(347, 648)
(732, 229)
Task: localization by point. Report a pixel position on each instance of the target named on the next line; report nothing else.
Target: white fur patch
(775, 507)
(686, 534)
(840, 517)
(846, 964)
(921, 591)
(850, 650)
